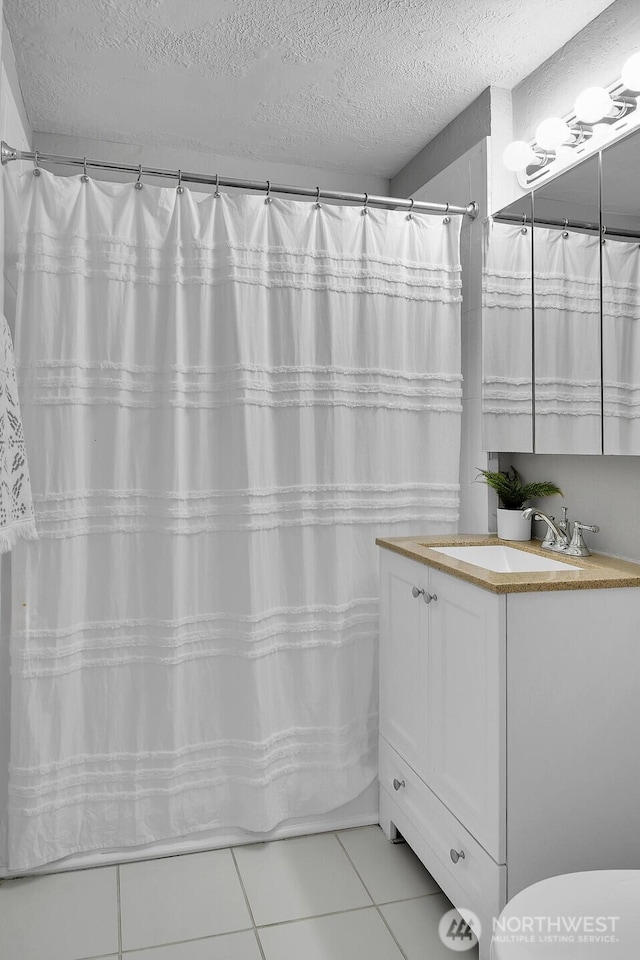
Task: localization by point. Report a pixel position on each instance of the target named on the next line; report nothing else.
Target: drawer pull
(456, 855)
(398, 783)
(427, 597)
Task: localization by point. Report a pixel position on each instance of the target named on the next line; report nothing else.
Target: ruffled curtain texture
(507, 387)
(566, 293)
(225, 402)
(621, 346)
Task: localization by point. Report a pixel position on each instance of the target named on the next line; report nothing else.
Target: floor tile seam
(393, 936)
(383, 903)
(246, 900)
(314, 916)
(177, 943)
(418, 896)
(119, 908)
(346, 853)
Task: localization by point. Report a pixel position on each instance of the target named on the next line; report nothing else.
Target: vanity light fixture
(600, 116)
(631, 73)
(596, 103)
(520, 154)
(554, 132)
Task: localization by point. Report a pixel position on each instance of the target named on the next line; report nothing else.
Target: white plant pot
(513, 526)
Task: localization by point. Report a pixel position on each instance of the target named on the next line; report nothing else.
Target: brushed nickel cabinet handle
(398, 783)
(456, 855)
(427, 597)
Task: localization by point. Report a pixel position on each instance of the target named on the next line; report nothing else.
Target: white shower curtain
(225, 401)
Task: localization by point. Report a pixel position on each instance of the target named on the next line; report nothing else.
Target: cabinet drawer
(476, 881)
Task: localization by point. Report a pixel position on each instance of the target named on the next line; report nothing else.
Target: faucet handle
(577, 547)
(594, 528)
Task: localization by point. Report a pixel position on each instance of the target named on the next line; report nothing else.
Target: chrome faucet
(557, 539)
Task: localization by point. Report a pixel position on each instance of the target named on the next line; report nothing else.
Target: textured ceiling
(349, 85)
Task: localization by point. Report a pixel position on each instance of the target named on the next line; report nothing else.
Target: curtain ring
(364, 206)
(36, 168)
(179, 188)
(410, 214)
(85, 177)
(565, 232)
(138, 183)
(217, 190)
(317, 203)
(268, 198)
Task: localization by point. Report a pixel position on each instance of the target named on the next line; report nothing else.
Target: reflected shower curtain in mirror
(507, 334)
(621, 346)
(566, 299)
(225, 402)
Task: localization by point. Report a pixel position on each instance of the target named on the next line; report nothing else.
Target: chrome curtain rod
(470, 209)
(582, 225)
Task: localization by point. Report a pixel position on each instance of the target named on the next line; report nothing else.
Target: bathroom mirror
(621, 296)
(566, 304)
(507, 333)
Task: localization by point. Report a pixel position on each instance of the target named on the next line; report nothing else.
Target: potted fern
(513, 494)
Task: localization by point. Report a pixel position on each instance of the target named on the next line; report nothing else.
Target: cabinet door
(403, 657)
(466, 696)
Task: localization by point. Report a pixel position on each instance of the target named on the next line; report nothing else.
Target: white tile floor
(350, 895)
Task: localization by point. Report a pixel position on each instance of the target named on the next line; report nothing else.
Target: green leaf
(512, 493)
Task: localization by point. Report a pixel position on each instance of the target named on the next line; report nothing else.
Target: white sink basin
(501, 559)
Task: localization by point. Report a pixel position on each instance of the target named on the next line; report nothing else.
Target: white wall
(14, 129)
(463, 180)
(169, 159)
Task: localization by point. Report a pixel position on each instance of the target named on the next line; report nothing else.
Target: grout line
(419, 896)
(315, 916)
(246, 900)
(380, 914)
(395, 939)
(177, 943)
(259, 942)
(354, 867)
(119, 905)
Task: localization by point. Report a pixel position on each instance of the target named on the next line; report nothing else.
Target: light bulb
(593, 104)
(631, 73)
(552, 133)
(518, 155)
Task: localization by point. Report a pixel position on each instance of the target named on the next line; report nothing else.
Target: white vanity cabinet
(503, 752)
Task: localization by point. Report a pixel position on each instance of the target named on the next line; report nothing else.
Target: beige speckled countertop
(590, 573)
